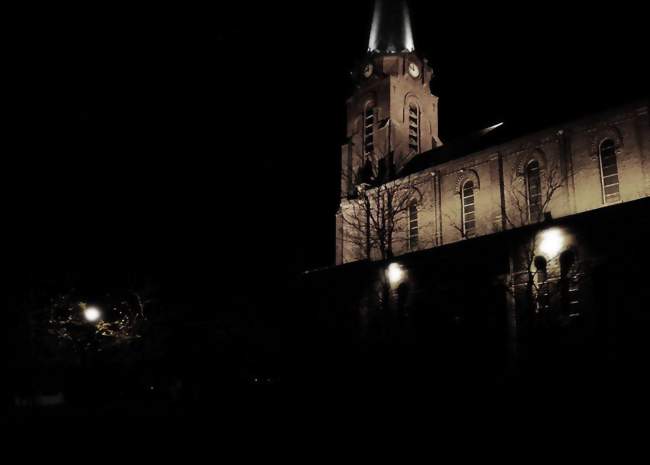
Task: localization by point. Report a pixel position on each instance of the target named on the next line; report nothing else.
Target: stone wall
(569, 152)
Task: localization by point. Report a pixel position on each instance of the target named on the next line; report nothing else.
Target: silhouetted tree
(376, 218)
(526, 208)
(58, 323)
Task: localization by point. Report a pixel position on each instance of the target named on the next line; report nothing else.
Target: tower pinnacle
(391, 28)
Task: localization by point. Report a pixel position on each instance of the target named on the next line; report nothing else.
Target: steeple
(391, 28)
(392, 115)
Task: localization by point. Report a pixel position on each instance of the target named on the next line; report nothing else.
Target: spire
(391, 28)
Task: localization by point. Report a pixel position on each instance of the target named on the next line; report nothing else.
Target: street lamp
(92, 314)
(395, 273)
(552, 242)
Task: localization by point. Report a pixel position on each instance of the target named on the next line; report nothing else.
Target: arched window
(609, 172)
(414, 233)
(414, 127)
(534, 191)
(369, 129)
(469, 209)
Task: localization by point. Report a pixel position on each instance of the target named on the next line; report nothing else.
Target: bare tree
(529, 205)
(526, 207)
(458, 227)
(529, 202)
(376, 217)
(120, 319)
(67, 318)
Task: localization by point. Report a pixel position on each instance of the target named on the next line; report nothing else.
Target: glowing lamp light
(92, 314)
(395, 273)
(552, 242)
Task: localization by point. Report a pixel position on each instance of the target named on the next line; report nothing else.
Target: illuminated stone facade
(486, 254)
(597, 161)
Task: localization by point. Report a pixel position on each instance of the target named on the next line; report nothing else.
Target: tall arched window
(414, 127)
(534, 191)
(369, 129)
(469, 209)
(414, 233)
(609, 172)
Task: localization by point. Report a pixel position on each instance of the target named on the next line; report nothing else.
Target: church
(403, 190)
(490, 252)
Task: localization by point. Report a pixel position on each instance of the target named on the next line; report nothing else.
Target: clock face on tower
(414, 70)
(367, 70)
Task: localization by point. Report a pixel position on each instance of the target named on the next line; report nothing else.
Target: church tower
(393, 116)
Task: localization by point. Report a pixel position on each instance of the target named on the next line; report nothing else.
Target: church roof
(500, 134)
(470, 144)
(391, 28)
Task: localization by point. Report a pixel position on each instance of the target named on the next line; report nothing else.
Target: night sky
(201, 143)
(209, 137)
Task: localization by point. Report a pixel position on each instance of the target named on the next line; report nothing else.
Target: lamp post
(92, 316)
